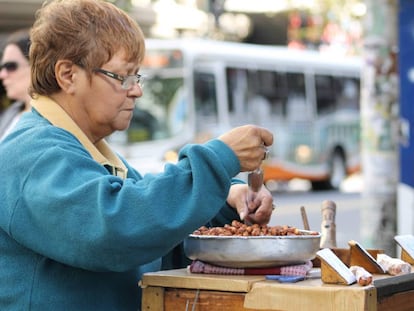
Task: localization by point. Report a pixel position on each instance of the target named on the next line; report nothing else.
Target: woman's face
(107, 107)
(16, 79)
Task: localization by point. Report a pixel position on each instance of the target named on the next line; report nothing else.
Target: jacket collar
(101, 152)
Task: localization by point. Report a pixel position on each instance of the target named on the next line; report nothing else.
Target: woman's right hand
(249, 143)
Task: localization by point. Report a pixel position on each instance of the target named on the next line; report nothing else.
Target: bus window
(325, 94)
(259, 95)
(297, 107)
(347, 90)
(335, 93)
(153, 110)
(205, 102)
(280, 95)
(264, 97)
(143, 126)
(237, 88)
(256, 96)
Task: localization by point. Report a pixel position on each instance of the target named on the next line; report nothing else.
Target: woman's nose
(135, 91)
(2, 72)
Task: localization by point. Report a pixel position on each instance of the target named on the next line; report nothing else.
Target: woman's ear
(66, 72)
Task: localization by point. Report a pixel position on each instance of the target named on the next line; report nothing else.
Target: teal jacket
(75, 237)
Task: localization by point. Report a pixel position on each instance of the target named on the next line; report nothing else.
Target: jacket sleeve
(70, 209)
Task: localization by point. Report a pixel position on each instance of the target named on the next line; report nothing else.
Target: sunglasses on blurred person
(9, 66)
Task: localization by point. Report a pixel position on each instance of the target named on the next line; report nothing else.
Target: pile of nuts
(238, 228)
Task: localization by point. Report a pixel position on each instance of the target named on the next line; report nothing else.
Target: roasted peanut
(240, 229)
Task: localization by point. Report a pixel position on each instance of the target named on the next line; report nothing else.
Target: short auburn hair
(86, 32)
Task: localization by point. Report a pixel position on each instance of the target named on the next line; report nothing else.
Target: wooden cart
(176, 290)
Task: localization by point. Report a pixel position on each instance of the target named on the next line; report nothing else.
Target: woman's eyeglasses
(126, 81)
(9, 66)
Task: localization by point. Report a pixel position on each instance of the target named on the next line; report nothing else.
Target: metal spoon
(255, 182)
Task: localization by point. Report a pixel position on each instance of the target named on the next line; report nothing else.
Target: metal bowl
(253, 251)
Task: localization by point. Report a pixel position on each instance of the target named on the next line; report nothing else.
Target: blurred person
(4, 100)
(15, 76)
(78, 225)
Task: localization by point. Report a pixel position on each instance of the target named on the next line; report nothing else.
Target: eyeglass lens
(130, 81)
(9, 66)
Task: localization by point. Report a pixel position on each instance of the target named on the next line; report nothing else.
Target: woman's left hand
(256, 208)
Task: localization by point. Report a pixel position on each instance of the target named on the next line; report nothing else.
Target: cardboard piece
(333, 270)
(406, 242)
(359, 256)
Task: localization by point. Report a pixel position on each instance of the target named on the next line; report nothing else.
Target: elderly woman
(79, 225)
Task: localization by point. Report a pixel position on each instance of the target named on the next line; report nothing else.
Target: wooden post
(379, 123)
(328, 226)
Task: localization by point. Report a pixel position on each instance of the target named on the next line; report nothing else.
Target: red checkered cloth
(198, 266)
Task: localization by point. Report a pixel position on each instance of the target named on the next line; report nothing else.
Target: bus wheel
(337, 174)
(321, 185)
(338, 170)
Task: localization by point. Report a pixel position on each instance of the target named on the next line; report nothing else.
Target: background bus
(198, 89)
